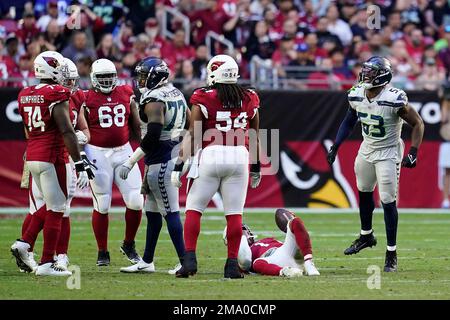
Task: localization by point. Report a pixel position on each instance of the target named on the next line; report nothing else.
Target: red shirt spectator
(28, 28)
(176, 50)
(415, 45)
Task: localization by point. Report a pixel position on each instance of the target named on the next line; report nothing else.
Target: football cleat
(231, 269)
(390, 264)
(62, 261)
(175, 269)
(129, 250)
(103, 259)
(51, 269)
(310, 268)
(24, 260)
(290, 272)
(140, 267)
(189, 267)
(364, 241)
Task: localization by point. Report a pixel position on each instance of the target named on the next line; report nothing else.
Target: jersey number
(379, 127)
(240, 122)
(176, 105)
(108, 116)
(34, 118)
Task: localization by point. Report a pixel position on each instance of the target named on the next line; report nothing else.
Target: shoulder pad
(150, 96)
(393, 97)
(355, 94)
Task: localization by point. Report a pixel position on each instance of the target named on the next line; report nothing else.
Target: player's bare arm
(255, 164)
(345, 129)
(134, 122)
(411, 117)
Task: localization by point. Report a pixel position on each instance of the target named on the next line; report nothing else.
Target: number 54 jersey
(380, 122)
(108, 116)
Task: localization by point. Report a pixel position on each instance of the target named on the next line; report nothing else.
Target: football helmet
(375, 72)
(72, 76)
(151, 72)
(103, 75)
(50, 65)
(222, 69)
(245, 232)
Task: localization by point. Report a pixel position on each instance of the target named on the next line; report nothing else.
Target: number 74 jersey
(381, 125)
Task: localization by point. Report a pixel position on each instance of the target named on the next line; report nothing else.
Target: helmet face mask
(375, 72)
(104, 75)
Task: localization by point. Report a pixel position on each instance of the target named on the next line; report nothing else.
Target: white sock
(366, 232)
(391, 248)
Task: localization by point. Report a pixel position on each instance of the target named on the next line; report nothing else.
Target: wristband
(79, 166)
(178, 167)
(255, 167)
(413, 151)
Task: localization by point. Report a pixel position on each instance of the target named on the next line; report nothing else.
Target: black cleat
(231, 270)
(189, 265)
(390, 264)
(103, 259)
(364, 241)
(129, 250)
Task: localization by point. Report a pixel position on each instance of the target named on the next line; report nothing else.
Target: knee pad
(134, 200)
(387, 197)
(102, 203)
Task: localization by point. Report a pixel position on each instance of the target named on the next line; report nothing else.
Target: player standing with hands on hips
(222, 114)
(381, 110)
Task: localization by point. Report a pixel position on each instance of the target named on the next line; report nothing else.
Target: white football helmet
(104, 75)
(72, 76)
(50, 65)
(222, 69)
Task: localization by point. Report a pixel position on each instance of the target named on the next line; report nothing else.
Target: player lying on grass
(271, 257)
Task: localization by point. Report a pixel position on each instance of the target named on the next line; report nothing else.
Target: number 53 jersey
(108, 116)
(381, 125)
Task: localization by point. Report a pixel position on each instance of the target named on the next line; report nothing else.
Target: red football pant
(191, 229)
(35, 225)
(234, 234)
(100, 224)
(64, 236)
(26, 223)
(265, 268)
(301, 238)
(132, 222)
(52, 228)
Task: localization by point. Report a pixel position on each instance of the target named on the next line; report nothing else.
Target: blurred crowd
(310, 40)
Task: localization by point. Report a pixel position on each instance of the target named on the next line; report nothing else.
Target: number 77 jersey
(108, 116)
(381, 125)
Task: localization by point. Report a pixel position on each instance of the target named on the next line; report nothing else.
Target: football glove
(88, 165)
(83, 178)
(331, 156)
(81, 137)
(175, 177)
(255, 175)
(410, 160)
(291, 272)
(125, 169)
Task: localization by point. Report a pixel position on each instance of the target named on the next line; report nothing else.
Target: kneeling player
(271, 257)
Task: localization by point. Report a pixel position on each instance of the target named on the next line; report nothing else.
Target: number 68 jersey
(381, 125)
(108, 116)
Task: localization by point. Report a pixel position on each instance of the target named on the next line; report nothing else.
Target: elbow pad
(151, 140)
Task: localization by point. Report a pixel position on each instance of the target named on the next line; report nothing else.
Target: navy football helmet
(375, 72)
(151, 73)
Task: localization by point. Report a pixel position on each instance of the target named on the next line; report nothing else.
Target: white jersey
(381, 125)
(174, 109)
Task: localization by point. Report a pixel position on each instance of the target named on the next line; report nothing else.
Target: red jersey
(262, 246)
(108, 116)
(76, 101)
(45, 142)
(225, 122)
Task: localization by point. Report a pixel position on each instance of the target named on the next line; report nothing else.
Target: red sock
(234, 234)
(64, 235)
(265, 268)
(26, 223)
(191, 229)
(100, 224)
(301, 238)
(52, 228)
(132, 222)
(36, 225)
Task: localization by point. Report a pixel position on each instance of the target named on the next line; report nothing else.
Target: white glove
(291, 272)
(125, 169)
(82, 180)
(82, 139)
(255, 179)
(175, 178)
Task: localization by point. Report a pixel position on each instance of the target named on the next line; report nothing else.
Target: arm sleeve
(150, 142)
(346, 126)
(255, 102)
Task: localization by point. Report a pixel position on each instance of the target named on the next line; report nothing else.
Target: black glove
(88, 165)
(410, 160)
(331, 156)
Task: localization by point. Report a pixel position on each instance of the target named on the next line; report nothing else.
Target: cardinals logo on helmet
(52, 62)
(215, 65)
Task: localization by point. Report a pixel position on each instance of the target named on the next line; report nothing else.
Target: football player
(51, 138)
(271, 257)
(76, 105)
(113, 119)
(164, 112)
(222, 114)
(381, 109)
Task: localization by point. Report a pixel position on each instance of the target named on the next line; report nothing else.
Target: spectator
(260, 44)
(444, 150)
(444, 54)
(52, 14)
(405, 69)
(107, 48)
(78, 48)
(238, 28)
(376, 46)
(12, 54)
(200, 62)
(258, 7)
(212, 18)
(338, 26)
(303, 59)
(284, 55)
(27, 29)
(314, 50)
(394, 26)
(152, 31)
(139, 11)
(436, 13)
(284, 7)
(358, 23)
(109, 11)
(415, 45)
(290, 30)
(308, 17)
(176, 51)
(186, 73)
(140, 47)
(53, 35)
(125, 37)
(430, 78)
(84, 69)
(24, 74)
(324, 35)
(340, 68)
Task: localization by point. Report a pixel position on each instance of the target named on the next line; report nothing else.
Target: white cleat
(51, 269)
(175, 269)
(141, 266)
(310, 268)
(291, 272)
(62, 261)
(24, 259)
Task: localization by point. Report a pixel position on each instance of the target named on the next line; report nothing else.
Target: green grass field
(423, 248)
